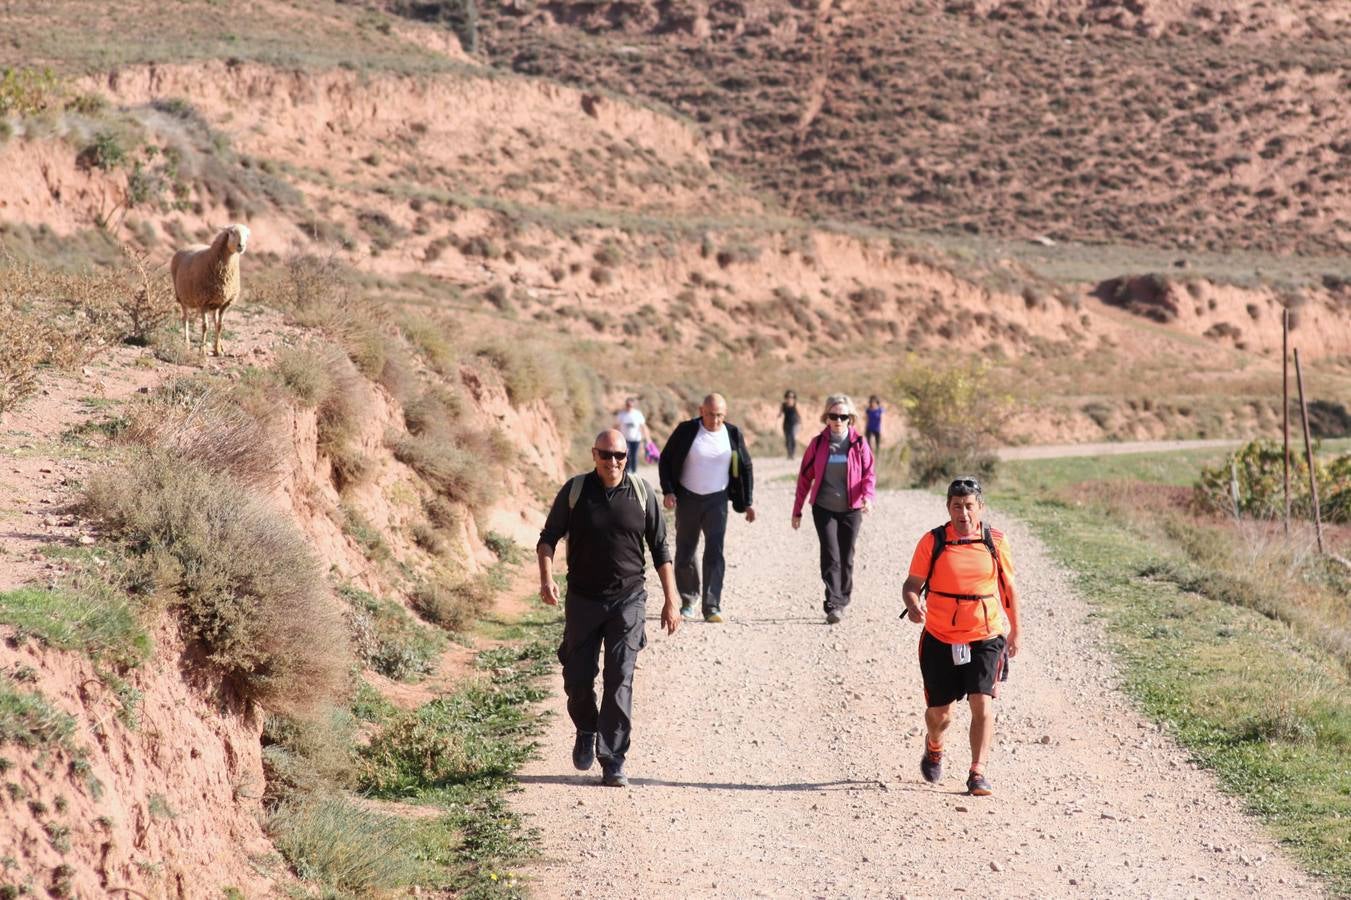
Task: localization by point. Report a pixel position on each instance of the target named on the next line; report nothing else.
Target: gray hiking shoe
(614, 775)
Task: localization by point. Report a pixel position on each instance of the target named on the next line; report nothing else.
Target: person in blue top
(873, 431)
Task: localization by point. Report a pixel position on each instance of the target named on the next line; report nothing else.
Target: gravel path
(776, 756)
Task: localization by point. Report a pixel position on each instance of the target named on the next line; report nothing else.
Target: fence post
(1308, 453)
(1285, 407)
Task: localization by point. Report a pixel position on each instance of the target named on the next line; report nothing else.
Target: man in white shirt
(704, 466)
(633, 424)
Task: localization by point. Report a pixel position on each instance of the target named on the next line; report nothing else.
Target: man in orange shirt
(960, 586)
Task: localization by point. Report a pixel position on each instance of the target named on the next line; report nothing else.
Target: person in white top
(704, 466)
(633, 424)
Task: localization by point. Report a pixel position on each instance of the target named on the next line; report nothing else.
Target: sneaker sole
(979, 792)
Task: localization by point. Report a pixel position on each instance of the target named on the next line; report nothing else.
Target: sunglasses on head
(839, 417)
(966, 484)
(618, 455)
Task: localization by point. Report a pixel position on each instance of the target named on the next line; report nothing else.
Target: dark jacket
(739, 483)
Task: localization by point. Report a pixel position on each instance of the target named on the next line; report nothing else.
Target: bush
(452, 471)
(955, 416)
(250, 593)
(330, 839)
(24, 92)
(22, 351)
(197, 423)
(1251, 482)
(388, 639)
(452, 606)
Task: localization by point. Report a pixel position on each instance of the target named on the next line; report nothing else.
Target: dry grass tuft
(251, 594)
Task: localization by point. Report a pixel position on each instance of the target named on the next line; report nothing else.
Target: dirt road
(776, 756)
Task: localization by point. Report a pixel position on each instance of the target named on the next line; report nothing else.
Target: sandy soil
(777, 756)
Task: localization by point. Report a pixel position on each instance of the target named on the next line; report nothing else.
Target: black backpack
(940, 536)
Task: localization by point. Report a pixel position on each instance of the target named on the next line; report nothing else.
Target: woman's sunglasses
(839, 417)
(619, 455)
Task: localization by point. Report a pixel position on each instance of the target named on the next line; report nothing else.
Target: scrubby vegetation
(955, 413)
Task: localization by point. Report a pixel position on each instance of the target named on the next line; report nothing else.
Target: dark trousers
(790, 440)
(635, 447)
(618, 626)
(874, 439)
(838, 532)
(698, 514)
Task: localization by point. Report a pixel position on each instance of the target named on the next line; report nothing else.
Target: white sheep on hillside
(206, 279)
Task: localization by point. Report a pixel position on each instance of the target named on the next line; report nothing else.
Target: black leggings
(838, 532)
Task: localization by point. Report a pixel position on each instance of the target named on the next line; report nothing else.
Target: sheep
(206, 280)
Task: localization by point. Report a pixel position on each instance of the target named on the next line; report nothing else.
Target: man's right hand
(915, 613)
(549, 593)
(668, 501)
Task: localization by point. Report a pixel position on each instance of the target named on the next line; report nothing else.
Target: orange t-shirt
(964, 569)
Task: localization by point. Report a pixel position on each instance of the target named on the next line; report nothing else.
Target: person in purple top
(873, 431)
(837, 475)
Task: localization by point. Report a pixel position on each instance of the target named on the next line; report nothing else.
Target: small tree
(955, 416)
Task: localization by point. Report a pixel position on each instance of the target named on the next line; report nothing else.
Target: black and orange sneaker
(977, 785)
(931, 765)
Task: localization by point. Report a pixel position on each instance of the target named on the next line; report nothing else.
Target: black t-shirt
(606, 531)
(791, 417)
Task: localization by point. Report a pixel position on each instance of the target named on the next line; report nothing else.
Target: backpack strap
(576, 483)
(639, 490)
(940, 535)
(575, 490)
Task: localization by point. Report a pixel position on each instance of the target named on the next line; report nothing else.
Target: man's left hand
(670, 619)
(750, 514)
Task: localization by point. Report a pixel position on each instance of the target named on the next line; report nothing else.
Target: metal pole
(1308, 453)
(1285, 406)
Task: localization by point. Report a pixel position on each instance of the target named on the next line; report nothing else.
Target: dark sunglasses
(839, 417)
(619, 455)
(967, 484)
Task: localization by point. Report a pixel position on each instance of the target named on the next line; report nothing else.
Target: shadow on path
(869, 784)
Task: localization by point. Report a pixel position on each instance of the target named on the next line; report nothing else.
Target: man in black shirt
(606, 517)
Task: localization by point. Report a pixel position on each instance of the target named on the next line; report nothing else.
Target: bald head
(713, 412)
(610, 454)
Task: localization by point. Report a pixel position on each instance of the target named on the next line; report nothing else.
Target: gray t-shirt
(834, 493)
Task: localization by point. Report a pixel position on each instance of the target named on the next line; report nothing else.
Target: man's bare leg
(982, 729)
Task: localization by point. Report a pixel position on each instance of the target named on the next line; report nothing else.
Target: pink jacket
(860, 479)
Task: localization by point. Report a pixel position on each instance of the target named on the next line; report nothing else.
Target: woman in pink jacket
(837, 476)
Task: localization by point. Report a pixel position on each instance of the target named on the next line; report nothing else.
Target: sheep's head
(236, 238)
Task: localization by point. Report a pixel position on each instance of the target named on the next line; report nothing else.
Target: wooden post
(1285, 406)
(1308, 453)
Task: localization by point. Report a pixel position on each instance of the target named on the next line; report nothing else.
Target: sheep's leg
(203, 334)
(217, 317)
(187, 340)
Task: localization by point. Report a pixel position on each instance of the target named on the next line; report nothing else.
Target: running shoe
(978, 786)
(931, 765)
(834, 616)
(687, 612)
(713, 615)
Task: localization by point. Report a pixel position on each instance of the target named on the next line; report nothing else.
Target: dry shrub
(454, 472)
(429, 338)
(453, 606)
(330, 839)
(251, 594)
(340, 413)
(22, 339)
(434, 413)
(219, 428)
(302, 755)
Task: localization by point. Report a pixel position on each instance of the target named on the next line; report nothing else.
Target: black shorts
(946, 683)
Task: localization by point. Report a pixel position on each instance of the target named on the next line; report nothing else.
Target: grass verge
(1263, 707)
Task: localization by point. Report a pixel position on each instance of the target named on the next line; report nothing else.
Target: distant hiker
(873, 431)
(704, 465)
(606, 515)
(837, 476)
(961, 587)
(633, 424)
(792, 420)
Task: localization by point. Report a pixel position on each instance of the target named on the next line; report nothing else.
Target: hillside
(1179, 124)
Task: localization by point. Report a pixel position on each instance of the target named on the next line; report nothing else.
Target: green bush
(249, 590)
(332, 840)
(955, 414)
(26, 91)
(1251, 482)
(388, 639)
